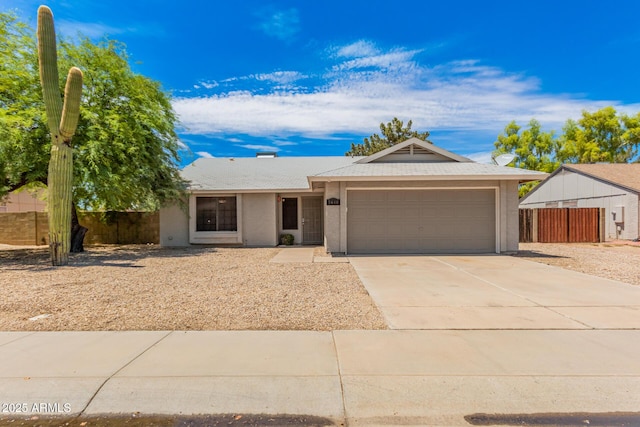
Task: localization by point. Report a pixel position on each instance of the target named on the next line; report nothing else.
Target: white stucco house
(413, 197)
(612, 186)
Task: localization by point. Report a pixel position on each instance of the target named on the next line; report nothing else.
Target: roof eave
(519, 178)
(246, 190)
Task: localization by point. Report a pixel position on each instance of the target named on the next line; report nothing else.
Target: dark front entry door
(312, 232)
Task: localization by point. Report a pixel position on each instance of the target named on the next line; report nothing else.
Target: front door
(312, 232)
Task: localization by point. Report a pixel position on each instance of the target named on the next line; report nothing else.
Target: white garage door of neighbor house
(421, 221)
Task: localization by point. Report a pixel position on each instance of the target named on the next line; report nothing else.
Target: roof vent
(267, 155)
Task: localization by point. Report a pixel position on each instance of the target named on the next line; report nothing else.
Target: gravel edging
(608, 260)
(142, 287)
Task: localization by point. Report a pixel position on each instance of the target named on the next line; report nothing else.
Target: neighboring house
(612, 186)
(24, 201)
(413, 197)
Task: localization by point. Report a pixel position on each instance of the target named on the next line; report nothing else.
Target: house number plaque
(333, 202)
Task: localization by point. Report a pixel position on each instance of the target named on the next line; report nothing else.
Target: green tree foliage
(125, 146)
(533, 148)
(392, 134)
(24, 136)
(602, 136)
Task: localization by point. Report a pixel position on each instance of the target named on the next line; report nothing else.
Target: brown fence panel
(584, 225)
(121, 227)
(561, 225)
(138, 227)
(553, 225)
(526, 225)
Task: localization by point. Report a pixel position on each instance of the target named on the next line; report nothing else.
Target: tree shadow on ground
(126, 256)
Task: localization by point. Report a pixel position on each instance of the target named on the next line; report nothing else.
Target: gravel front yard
(152, 288)
(615, 261)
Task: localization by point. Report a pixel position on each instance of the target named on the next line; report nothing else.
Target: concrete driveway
(493, 292)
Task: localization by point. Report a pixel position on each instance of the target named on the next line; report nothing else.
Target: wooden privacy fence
(562, 225)
(31, 228)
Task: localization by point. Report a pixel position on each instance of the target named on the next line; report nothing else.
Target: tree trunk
(77, 232)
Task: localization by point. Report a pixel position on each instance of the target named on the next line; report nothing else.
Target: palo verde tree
(62, 119)
(533, 149)
(393, 133)
(125, 148)
(600, 136)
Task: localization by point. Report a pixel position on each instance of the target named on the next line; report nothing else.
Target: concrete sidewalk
(355, 377)
(294, 254)
(304, 254)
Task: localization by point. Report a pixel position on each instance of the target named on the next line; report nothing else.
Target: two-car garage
(421, 221)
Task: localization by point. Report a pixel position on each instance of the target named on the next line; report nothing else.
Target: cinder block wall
(18, 228)
(32, 228)
(42, 228)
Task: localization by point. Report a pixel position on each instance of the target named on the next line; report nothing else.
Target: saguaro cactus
(62, 119)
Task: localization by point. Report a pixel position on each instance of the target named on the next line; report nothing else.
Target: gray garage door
(421, 221)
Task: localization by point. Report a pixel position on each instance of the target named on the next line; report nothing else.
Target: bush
(286, 239)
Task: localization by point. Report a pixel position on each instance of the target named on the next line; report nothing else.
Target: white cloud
(92, 30)
(205, 154)
(356, 95)
(281, 24)
(96, 30)
(283, 143)
(395, 59)
(357, 49)
(282, 77)
(209, 85)
(481, 157)
(259, 147)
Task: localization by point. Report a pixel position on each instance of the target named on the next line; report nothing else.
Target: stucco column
(332, 218)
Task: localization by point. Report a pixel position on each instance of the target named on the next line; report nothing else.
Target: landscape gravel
(611, 260)
(141, 287)
(153, 288)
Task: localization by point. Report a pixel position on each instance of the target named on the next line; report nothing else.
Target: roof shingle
(251, 173)
(291, 173)
(624, 174)
(436, 169)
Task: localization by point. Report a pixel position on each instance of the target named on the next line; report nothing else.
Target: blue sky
(311, 77)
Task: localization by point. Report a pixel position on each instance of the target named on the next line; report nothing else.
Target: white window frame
(214, 237)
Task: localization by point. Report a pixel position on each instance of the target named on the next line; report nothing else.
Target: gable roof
(624, 175)
(415, 145)
(422, 161)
